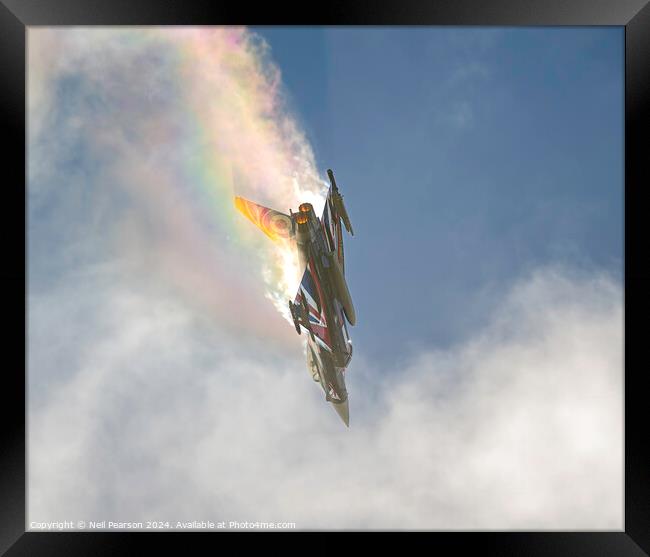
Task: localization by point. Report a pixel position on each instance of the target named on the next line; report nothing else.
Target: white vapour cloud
(165, 417)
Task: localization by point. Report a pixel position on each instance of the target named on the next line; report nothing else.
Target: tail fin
(274, 224)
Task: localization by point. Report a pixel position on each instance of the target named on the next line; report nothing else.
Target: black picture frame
(17, 15)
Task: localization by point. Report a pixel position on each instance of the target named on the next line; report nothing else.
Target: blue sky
(467, 157)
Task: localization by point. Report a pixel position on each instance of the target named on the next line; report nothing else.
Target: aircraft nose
(343, 410)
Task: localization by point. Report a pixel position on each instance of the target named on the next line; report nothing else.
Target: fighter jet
(323, 305)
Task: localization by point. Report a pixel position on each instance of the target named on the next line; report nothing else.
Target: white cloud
(167, 418)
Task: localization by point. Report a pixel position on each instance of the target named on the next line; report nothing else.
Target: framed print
(380, 271)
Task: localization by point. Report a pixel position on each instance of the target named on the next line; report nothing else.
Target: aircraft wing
(310, 291)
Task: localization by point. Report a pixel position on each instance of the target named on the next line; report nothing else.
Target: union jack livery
(323, 305)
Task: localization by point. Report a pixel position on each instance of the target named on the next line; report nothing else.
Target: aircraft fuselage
(332, 348)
